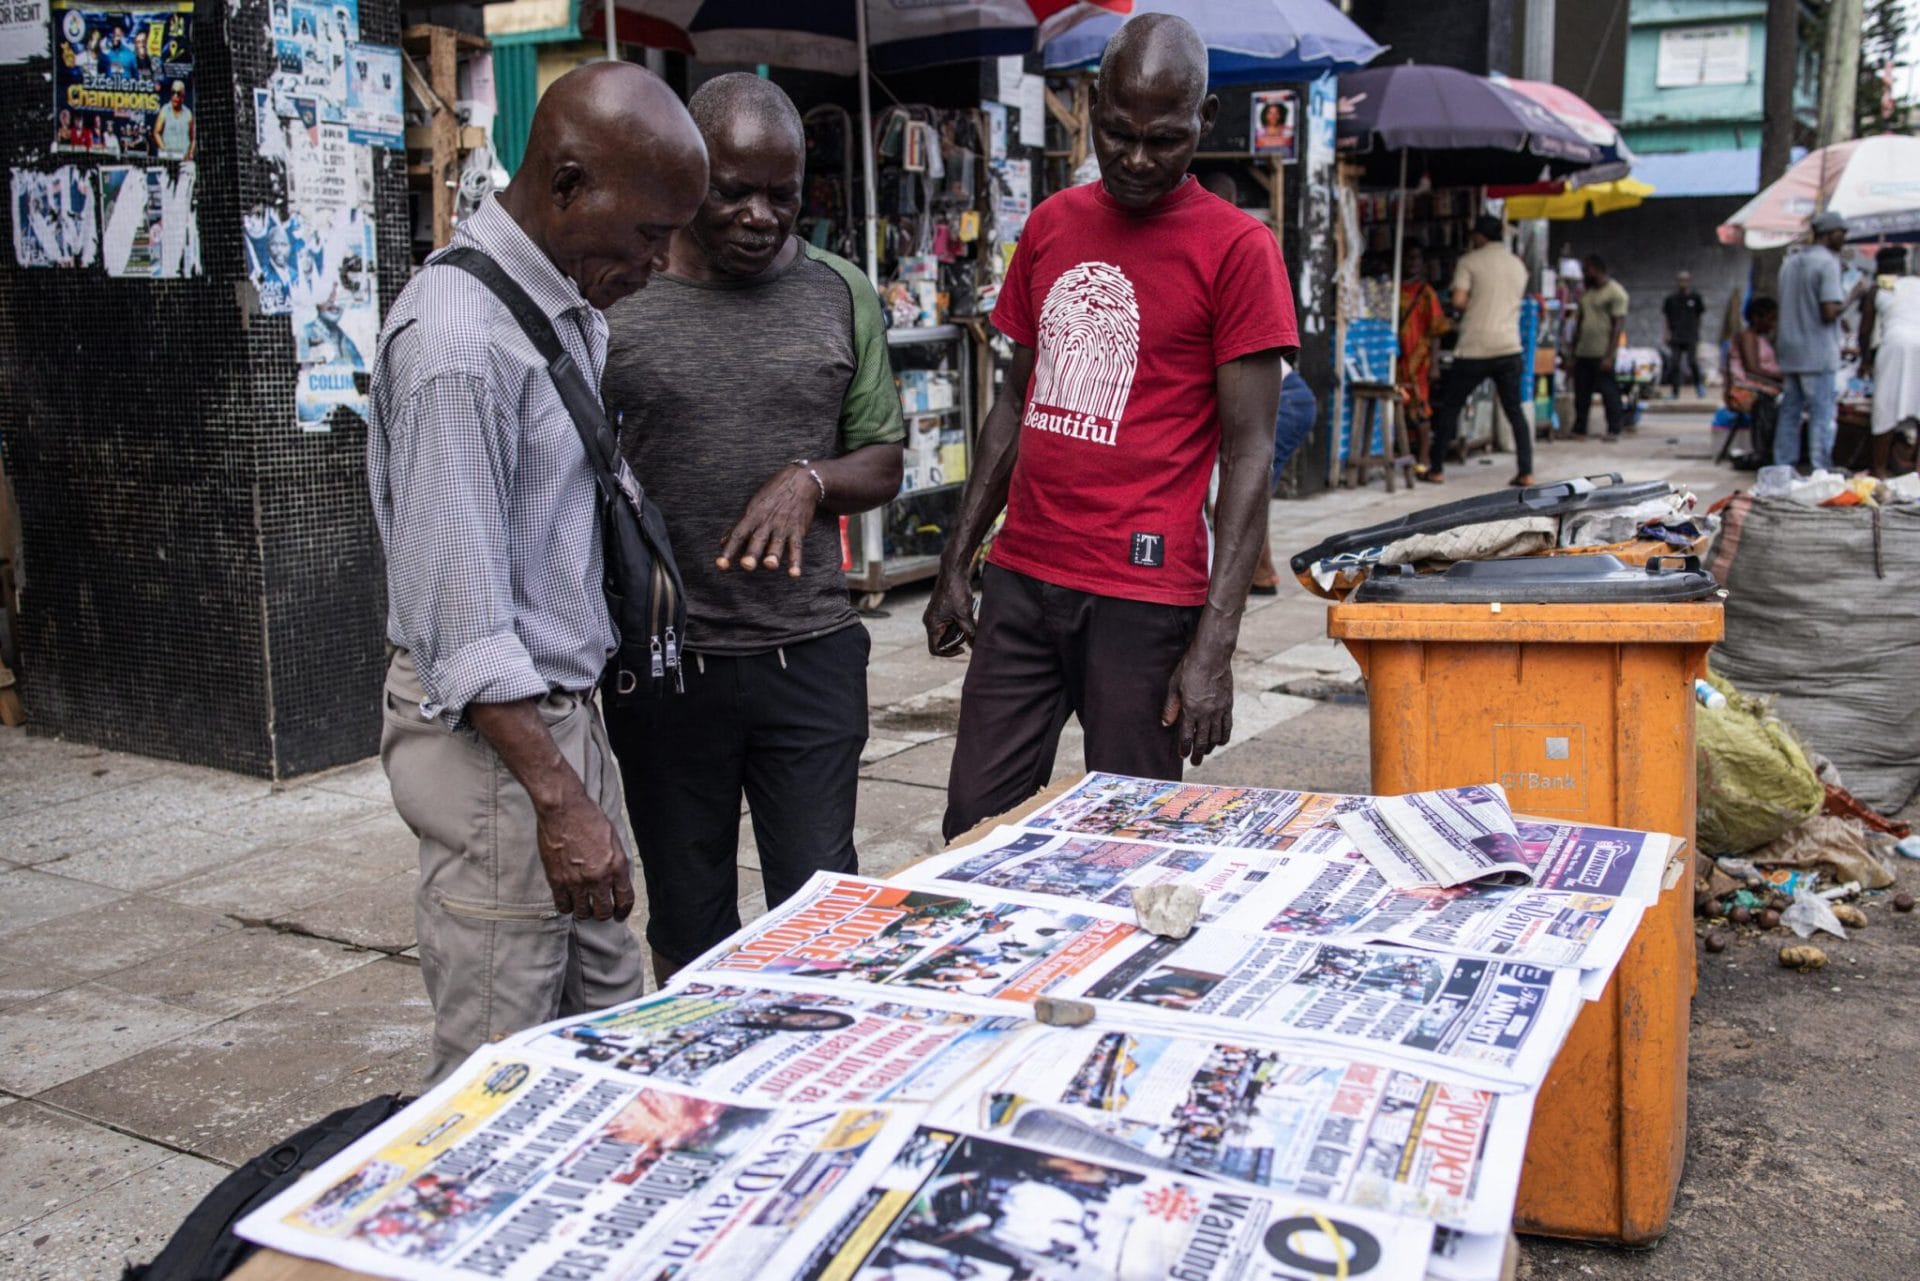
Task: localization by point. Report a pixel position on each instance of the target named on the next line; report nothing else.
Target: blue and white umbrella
(1248, 41)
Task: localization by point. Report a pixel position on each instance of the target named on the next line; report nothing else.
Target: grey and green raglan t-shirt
(717, 385)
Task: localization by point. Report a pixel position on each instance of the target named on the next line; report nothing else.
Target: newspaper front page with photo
(1352, 1131)
(517, 1168)
(955, 1204)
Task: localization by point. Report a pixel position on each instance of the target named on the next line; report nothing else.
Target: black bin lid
(1555, 499)
(1542, 580)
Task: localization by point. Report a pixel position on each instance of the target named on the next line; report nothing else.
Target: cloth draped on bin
(1823, 614)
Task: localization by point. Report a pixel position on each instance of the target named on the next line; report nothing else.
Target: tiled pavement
(192, 964)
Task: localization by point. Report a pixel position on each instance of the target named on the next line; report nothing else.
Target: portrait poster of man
(1275, 124)
(123, 80)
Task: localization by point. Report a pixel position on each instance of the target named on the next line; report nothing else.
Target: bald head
(613, 166)
(1150, 108)
(1158, 50)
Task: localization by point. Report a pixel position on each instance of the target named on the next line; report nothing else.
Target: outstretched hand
(773, 529)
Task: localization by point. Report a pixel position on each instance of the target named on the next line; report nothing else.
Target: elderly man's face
(753, 196)
(612, 236)
(1145, 132)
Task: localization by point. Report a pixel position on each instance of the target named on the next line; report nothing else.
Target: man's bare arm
(581, 853)
(949, 616)
(1200, 696)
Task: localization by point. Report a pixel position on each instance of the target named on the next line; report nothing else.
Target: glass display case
(902, 541)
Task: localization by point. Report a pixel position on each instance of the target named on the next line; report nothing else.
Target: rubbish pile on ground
(1823, 618)
(1783, 846)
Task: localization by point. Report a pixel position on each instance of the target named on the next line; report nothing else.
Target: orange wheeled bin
(1583, 710)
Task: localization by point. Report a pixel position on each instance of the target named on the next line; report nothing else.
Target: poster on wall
(1274, 127)
(335, 314)
(147, 224)
(376, 106)
(123, 79)
(54, 223)
(312, 43)
(23, 30)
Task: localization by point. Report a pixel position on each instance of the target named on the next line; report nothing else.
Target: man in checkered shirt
(486, 503)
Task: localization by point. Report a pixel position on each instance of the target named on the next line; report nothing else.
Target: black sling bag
(644, 592)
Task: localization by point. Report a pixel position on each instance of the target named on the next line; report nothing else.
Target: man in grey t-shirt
(1808, 344)
(758, 406)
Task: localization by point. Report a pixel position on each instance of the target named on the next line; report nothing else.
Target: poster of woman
(1274, 130)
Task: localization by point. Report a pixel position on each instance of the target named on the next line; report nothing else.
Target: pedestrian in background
(496, 610)
(1489, 284)
(1811, 300)
(1753, 376)
(1423, 322)
(1681, 313)
(1603, 314)
(1890, 352)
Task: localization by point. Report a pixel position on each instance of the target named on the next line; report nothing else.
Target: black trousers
(1042, 653)
(1462, 378)
(786, 730)
(1591, 374)
(1684, 355)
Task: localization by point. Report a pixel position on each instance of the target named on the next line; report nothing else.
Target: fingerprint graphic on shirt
(1089, 348)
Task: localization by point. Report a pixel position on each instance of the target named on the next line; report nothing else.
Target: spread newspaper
(1500, 1021)
(516, 1167)
(960, 1205)
(1322, 897)
(1332, 1076)
(1351, 1131)
(1598, 860)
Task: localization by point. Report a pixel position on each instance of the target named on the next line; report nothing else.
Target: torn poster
(376, 105)
(123, 79)
(147, 224)
(54, 222)
(336, 314)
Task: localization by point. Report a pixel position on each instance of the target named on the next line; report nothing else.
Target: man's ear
(569, 183)
(1209, 108)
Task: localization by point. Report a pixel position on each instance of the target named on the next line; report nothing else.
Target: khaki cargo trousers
(496, 955)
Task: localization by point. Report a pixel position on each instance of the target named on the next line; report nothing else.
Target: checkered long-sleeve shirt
(481, 487)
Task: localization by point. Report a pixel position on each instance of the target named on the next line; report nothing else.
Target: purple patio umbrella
(1455, 129)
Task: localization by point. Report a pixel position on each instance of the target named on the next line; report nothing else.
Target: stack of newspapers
(1331, 1076)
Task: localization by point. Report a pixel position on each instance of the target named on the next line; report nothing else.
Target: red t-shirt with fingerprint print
(1129, 315)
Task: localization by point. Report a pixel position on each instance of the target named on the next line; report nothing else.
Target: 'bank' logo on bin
(1543, 767)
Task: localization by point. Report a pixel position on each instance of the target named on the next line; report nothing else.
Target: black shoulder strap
(589, 417)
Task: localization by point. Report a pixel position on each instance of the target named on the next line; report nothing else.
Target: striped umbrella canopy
(824, 35)
(1615, 156)
(1456, 128)
(1874, 183)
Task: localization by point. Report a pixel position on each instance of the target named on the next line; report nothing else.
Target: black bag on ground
(204, 1247)
(644, 592)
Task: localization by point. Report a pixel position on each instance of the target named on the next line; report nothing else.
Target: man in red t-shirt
(1151, 321)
